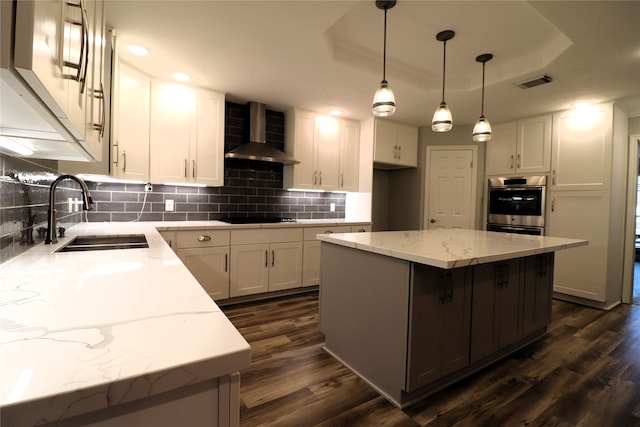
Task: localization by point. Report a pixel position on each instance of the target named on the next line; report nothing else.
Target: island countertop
(451, 248)
(82, 331)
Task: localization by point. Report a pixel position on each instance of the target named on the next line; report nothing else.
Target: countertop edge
(446, 259)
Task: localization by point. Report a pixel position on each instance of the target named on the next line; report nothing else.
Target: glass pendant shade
(442, 120)
(482, 130)
(384, 103)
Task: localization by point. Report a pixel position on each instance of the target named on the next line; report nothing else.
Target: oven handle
(518, 188)
(506, 228)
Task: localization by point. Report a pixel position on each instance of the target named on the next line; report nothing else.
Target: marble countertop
(451, 248)
(82, 331)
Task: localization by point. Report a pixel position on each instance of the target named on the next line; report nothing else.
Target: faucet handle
(61, 231)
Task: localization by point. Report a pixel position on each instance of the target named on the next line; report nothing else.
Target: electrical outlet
(168, 205)
(148, 187)
(332, 207)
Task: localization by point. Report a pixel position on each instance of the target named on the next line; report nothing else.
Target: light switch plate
(168, 205)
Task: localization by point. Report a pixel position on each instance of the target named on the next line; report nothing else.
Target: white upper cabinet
(130, 131)
(327, 149)
(56, 44)
(96, 114)
(187, 135)
(206, 148)
(521, 147)
(349, 155)
(42, 67)
(582, 149)
(395, 145)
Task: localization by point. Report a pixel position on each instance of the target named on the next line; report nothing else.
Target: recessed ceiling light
(138, 50)
(581, 105)
(336, 112)
(181, 77)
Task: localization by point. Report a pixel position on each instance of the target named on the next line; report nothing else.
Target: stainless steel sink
(106, 242)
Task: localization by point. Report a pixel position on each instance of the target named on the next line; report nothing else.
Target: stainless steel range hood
(257, 147)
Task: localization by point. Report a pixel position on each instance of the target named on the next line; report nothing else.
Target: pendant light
(442, 120)
(384, 103)
(482, 128)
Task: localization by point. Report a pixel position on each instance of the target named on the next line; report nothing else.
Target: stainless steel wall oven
(517, 204)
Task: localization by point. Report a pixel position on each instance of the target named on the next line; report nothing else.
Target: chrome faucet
(87, 205)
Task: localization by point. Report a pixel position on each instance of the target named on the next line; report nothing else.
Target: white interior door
(450, 188)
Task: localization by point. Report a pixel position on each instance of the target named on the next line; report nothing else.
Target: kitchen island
(412, 312)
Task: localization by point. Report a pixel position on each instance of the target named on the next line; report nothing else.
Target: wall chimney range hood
(257, 147)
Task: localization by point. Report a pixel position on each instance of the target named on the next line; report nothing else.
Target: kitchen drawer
(202, 238)
(272, 235)
(310, 232)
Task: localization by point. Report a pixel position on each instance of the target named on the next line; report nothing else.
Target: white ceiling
(319, 55)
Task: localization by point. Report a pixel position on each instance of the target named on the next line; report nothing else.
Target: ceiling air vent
(542, 80)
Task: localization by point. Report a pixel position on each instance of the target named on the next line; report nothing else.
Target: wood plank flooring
(586, 372)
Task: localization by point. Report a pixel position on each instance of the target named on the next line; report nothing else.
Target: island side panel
(364, 303)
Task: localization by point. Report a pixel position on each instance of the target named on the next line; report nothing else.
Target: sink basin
(107, 242)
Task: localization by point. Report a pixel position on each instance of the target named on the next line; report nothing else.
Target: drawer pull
(204, 238)
(328, 232)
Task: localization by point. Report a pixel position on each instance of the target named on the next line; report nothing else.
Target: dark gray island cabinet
(412, 312)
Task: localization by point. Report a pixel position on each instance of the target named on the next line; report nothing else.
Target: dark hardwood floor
(586, 372)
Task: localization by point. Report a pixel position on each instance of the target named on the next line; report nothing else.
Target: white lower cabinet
(311, 260)
(582, 272)
(240, 262)
(311, 250)
(206, 254)
(265, 260)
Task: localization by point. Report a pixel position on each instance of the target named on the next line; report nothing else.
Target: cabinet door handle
(273, 258)
(103, 115)
(498, 274)
(341, 180)
(505, 279)
(320, 178)
(226, 262)
(553, 177)
(542, 265)
(441, 289)
(266, 259)
(185, 168)
(83, 57)
(124, 161)
(518, 161)
(399, 152)
(553, 204)
(204, 238)
(116, 154)
(193, 170)
(315, 177)
(511, 162)
(98, 94)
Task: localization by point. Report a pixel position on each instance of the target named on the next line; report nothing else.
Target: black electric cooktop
(255, 220)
